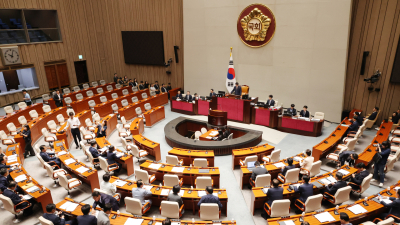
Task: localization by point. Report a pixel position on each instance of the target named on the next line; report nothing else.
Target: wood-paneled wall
(375, 28)
(92, 28)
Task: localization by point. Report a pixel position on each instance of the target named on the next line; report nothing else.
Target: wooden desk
(121, 220)
(129, 111)
(137, 126)
(382, 135)
(43, 196)
(301, 127)
(126, 161)
(112, 122)
(241, 154)
(218, 117)
(154, 115)
(13, 118)
(351, 115)
(204, 136)
(189, 200)
(189, 155)
(67, 136)
(265, 116)
(258, 197)
(320, 150)
(189, 176)
(188, 108)
(238, 109)
(90, 177)
(151, 147)
(373, 211)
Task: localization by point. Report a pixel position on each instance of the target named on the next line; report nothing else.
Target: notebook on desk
(204, 170)
(317, 184)
(59, 144)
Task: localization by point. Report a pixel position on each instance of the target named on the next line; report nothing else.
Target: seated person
(101, 199)
(166, 222)
(179, 95)
(103, 218)
(227, 132)
(359, 177)
(112, 158)
(17, 199)
(305, 190)
(360, 119)
(3, 163)
(152, 88)
(157, 87)
(131, 84)
(333, 187)
(373, 114)
(274, 193)
(55, 217)
(163, 88)
(108, 187)
(306, 163)
(188, 97)
(5, 179)
(220, 136)
(50, 158)
(259, 170)
(394, 206)
(353, 126)
(209, 197)
(292, 110)
(141, 85)
(348, 156)
(288, 167)
(101, 129)
(304, 112)
(86, 219)
(395, 118)
(93, 150)
(146, 84)
(212, 94)
(174, 197)
(344, 219)
(270, 101)
(142, 194)
(195, 97)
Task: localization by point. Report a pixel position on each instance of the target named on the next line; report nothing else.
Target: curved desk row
(154, 116)
(241, 154)
(137, 126)
(41, 194)
(13, 118)
(151, 147)
(129, 111)
(188, 155)
(190, 200)
(189, 174)
(112, 122)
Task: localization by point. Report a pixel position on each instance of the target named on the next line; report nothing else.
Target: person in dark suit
(101, 129)
(146, 84)
(304, 112)
(101, 199)
(359, 177)
(166, 222)
(157, 87)
(169, 87)
(344, 219)
(212, 94)
(86, 219)
(288, 167)
(257, 171)
(188, 96)
(373, 114)
(395, 118)
(270, 101)
(58, 98)
(56, 219)
(3, 179)
(174, 197)
(394, 206)
(380, 165)
(179, 95)
(292, 110)
(275, 193)
(333, 187)
(360, 119)
(141, 85)
(353, 126)
(112, 158)
(305, 190)
(3, 163)
(227, 132)
(220, 136)
(131, 84)
(348, 156)
(49, 157)
(116, 78)
(209, 197)
(237, 90)
(163, 88)
(17, 199)
(135, 82)
(93, 151)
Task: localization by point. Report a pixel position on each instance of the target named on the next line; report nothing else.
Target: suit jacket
(47, 156)
(111, 157)
(333, 189)
(103, 219)
(179, 96)
(115, 79)
(359, 177)
(175, 198)
(237, 91)
(212, 94)
(163, 89)
(306, 164)
(169, 88)
(271, 102)
(258, 171)
(292, 111)
(394, 206)
(156, 86)
(94, 152)
(274, 194)
(345, 157)
(188, 98)
(305, 190)
(304, 113)
(54, 219)
(284, 170)
(104, 199)
(131, 84)
(3, 183)
(372, 116)
(86, 220)
(58, 100)
(4, 166)
(354, 126)
(141, 86)
(12, 195)
(385, 155)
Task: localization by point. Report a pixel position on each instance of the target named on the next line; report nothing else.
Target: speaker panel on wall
(364, 61)
(395, 77)
(176, 53)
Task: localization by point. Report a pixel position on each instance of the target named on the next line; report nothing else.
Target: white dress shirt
(73, 123)
(108, 187)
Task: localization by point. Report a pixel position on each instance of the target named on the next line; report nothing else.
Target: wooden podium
(217, 117)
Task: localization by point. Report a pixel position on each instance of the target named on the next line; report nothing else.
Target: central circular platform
(177, 129)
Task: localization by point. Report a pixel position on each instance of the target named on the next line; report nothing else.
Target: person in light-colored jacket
(306, 163)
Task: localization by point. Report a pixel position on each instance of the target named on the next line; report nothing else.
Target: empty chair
(315, 169)
(171, 209)
(100, 90)
(152, 93)
(342, 195)
(134, 206)
(171, 180)
(134, 89)
(87, 135)
(124, 123)
(209, 211)
(9, 206)
(203, 130)
(79, 96)
(118, 86)
(34, 114)
(114, 107)
(144, 176)
(70, 110)
(22, 105)
(67, 182)
(125, 144)
(47, 136)
(8, 109)
(44, 221)
(102, 82)
(76, 89)
(122, 131)
(85, 86)
(278, 208)
(106, 167)
(124, 103)
(66, 91)
(364, 185)
(262, 180)
(173, 160)
(203, 182)
(109, 88)
(199, 162)
(45, 98)
(89, 125)
(312, 203)
(139, 154)
(334, 157)
(292, 176)
(139, 112)
(53, 173)
(114, 95)
(95, 84)
(22, 120)
(125, 92)
(388, 221)
(274, 157)
(68, 101)
(52, 126)
(12, 129)
(91, 104)
(5, 140)
(89, 93)
(319, 115)
(135, 99)
(96, 117)
(144, 95)
(147, 106)
(103, 99)
(248, 159)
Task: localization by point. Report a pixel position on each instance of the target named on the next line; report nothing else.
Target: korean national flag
(230, 77)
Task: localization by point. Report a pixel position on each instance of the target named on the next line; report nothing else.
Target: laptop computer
(250, 165)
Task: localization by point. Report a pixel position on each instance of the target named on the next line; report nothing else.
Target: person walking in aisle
(26, 133)
(74, 124)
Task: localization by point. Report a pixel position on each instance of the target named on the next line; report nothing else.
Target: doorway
(11, 79)
(81, 72)
(57, 76)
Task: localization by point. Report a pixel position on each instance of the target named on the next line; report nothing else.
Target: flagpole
(231, 51)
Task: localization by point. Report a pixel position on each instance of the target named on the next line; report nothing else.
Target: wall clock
(10, 55)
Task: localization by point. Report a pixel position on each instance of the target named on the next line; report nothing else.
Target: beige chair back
(135, 151)
(92, 103)
(252, 158)
(263, 180)
(118, 86)
(22, 120)
(40, 158)
(292, 175)
(133, 206)
(147, 106)
(114, 95)
(3, 135)
(351, 144)
(152, 93)
(90, 156)
(135, 99)
(365, 183)
(199, 162)
(46, 108)
(96, 117)
(138, 111)
(11, 127)
(22, 105)
(144, 95)
(100, 90)
(79, 96)
(172, 159)
(88, 122)
(85, 86)
(103, 99)
(49, 170)
(43, 221)
(203, 182)
(171, 180)
(319, 115)
(124, 103)
(203, 130)
(125, 92)
(37, 149)
(275, 155)
(33, 114)
(102, 82)
(313, 203)
(142, 175)
(342, 195)
(280, 208)
(60, 118)
(134, 89)
(209, 211)
(315, 168)
(390, 164)
(76, 89)
(109, 88)
(7, 204)
(95, 84)
(8, 109)
(103, 164)
(45, 97)
(114, 107)
(70, 110)
(63, 181)
(67, 100)
(123, 120)
(388, 221)
(52, 125)
(66, 91)
(170, 209)
(197, 135)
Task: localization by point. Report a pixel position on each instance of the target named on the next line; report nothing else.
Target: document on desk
(178, 169)
(131, 221)
(386, 200)
(324, 217)
(324, 181)
(396, 188)
(357, 209)
(103, 149)
(214, 132)
(287, 222)
(32, 189)
(12, 158)
(69, 161)
(208, 137)
(26, 197)
(20, 178)
(165, 192)
(147, 187)
(279, 165)
(155, 166)
(297, 159)
(62, 153)
(181, 193)
(82, 169)
(265, 190)
(344, 172)
(69, 206)
(119, 154)
(120, 183)
(331, 179)
(201, 193)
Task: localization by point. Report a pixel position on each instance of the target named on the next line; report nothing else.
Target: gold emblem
(255, 25)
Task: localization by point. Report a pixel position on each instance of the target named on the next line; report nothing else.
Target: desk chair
(124, 103)
(203, 130)
(68, 102)
(22, 105)
(33, 114)
(209, 211)
(91, 159)
(91, 104)
(279, 208)
(106, 167)
(197, 135)
(364, 185)
(22, 120)
(89, 93)
(125, 92)
(12, 129)
(342, 195)
(79, 96)
(8, 110)
(144, 176)
(173, 160)
(76, 89)
(134, 206)
(134, 99)
(102, 82)
(203, 182)
(9, 206)
(85, 86)
(122, 132)
(248, 159)
(134, 89)
(5, 140)
(103, 99)
(60, 119)
(396, 130)
(70, 110)
(109, 88)
(125, 144)
(274, 157)
(352, 135)
(315, 169)
(147, 106)
(69, 183)
(114, 108)
(36, 148)
(48, 137)
(100, 90)
(96, 117)
(139, 113)
(171, 209)
(46, 108)
(388, 221)
(144, 95)
(292, 176)
(66, 91)
(139, 154)
(45, 98)
(199, 162)
(245, 90)
(54, 173)
(89, 125)
(43, 221)
(87, 135)
(123, 121)
(261, 180)
(52, 126)
(371, 123)
(319, 115)
(312, 203)
(95, 84)
(114, 95)
(334, 157)
(171, 180)
(118, 86)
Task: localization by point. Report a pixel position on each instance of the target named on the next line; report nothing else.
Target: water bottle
(160, 186)
(154, 219)
(191, 188)
(118, 213)
(233, 221)
(193, 220)
(365, 199)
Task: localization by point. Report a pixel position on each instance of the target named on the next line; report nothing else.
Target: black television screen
(143, 47)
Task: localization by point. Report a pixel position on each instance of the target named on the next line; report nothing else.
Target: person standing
(237, 90)
(27, 98)
(116, 78)
(74, 124)
(26, 133)
(306, 163)
(379, 169)
(58, 98)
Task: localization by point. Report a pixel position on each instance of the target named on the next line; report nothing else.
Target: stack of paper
(155, 166)
(103, 149)
(181, 192)
(386, 200)
(69, 206)
(331, 179)
(147, 187)
(357, 209)
(20, 178)
(208, 137)
(158, 223)
(178, 169)
(165, 192)
(344, 172)
(201, 193)
(279, 165)
(287, 222)
(120, 154)
(396, 188)
(131, 221)
(120, 183)
(297, 159)
(82, 169)
(62, 153)
(324, 217)
(32, 189)
(12, 158)
(324, 181)
(26, 197)
(69, 161)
